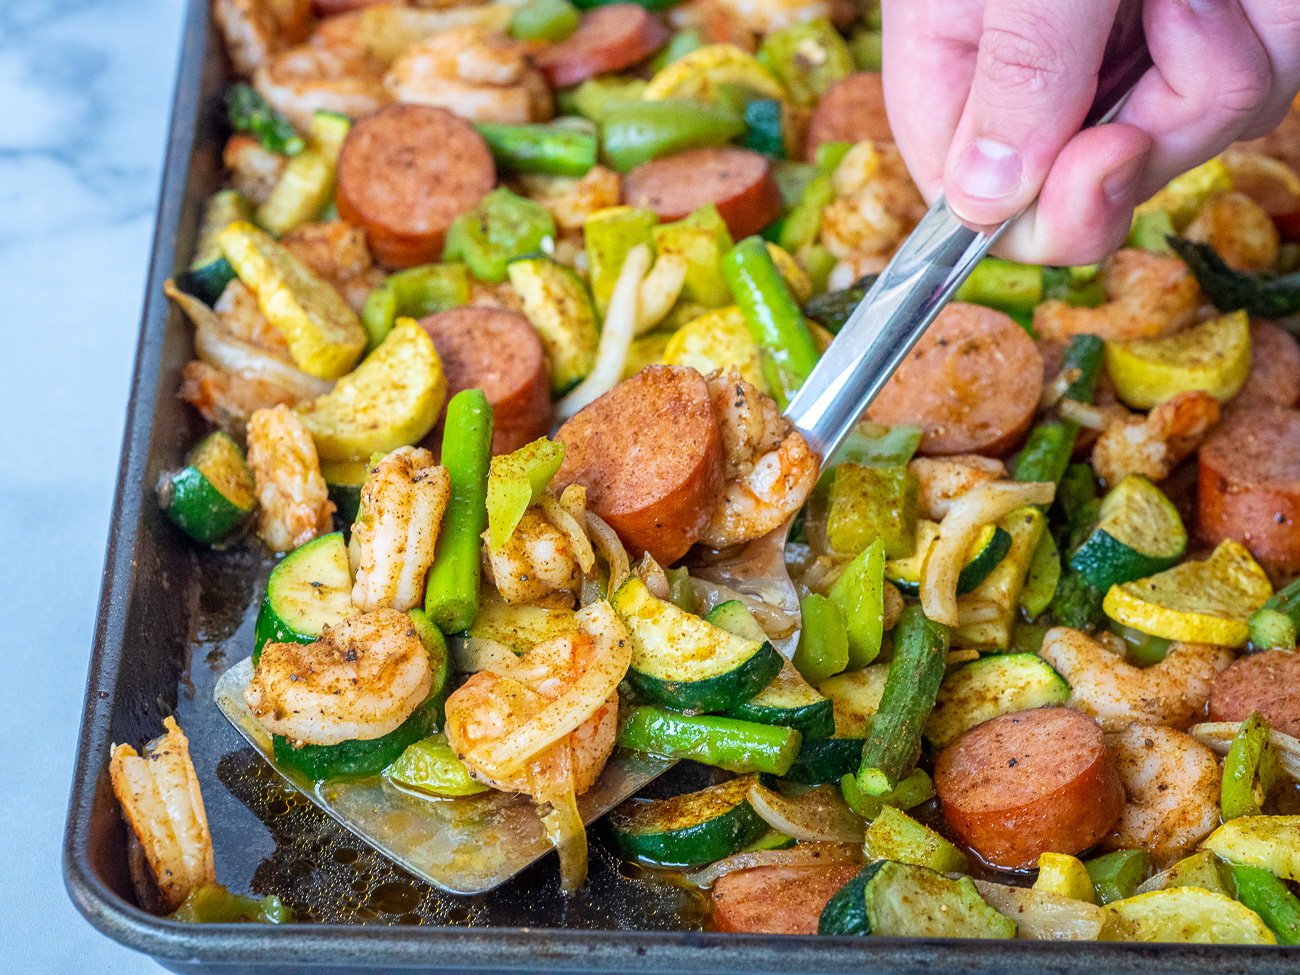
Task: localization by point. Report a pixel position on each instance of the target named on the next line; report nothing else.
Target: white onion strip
(656, 580)
(775, 623)
(1218, 736)
(820, 815)
(1053, 391)
(968, 514)
(476, 654)
(801, 855)
(610, 548)
(615, 336)
(561, 518)
(503, 757)
(659, 291)
(1087, 415)
(564, 828)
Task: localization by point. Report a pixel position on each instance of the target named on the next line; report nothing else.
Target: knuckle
(1023, 58)
(1244, 89)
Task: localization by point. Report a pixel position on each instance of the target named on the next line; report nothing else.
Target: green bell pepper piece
(1268, 897)
(502, 227)
(873, 502)
(915, 789)
(1116, 875)
(807, 58)
(431, 766)
(555, 149)
(413, 293)
(213, 904)
(608, 236)
(1275, 624)
(823, 649)
(860, 595)
(595, 97)
(1250, 771)
(543, 20)
(515, 481)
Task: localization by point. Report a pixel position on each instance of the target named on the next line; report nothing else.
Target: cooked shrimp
(392, 542)
(254, 30)
(945, 479)
(876, 204)
(769, 468)
(849, 269)
(293, 501)
(1239, 229)
(336, 251)
(571, 201)
(1172, 692)
(228, 399)
(1152, 445)
(1148, 295)
(765, 16)
(334, 77)
(360, 680)
(1173, 784)
(474, 75)
(160, 800)
(254, 171)
(536, 562)
(242, 316)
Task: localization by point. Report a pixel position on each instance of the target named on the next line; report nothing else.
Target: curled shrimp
(571, 201)
(1148, 295)
(768, 466)
(254, 30)
(333, 72)
(392, 542)
(1244, 235)
(360, 680)
(1152, 445)
(541, 560)
(945, 479)
(876, 204)
(293, 501)
(1172, 781)
(159, 794)
(239, 312)
(336, 252)
(1104, 686)
(474, 75)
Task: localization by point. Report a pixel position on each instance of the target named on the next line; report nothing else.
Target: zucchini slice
(356, 759)
(824, 760)
(855, 697)
(906, 899)
(685, 831)
(685, 663)
(210, 272)
(213, 494)
(1139, 533)
(309, 590)
(894, 835)
(989, 548)
(734, 617)
(983, 689)
(1001, 589)
(846, 911)
(519, 627)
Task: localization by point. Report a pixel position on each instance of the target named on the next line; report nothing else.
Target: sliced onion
(218, 348)
(982, 611)
(659, 290)
(968, 514)
(560, 517)
(800, 855)
(502, 757)
(1053, 391)
(775, 623)
(563, 825)
(615, 336)
(1218, 736)
(820, 815)
(476, 654)
(654, 577)
(610, 548)
(1086, 415)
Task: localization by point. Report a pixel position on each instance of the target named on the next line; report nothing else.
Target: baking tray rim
(332, 946)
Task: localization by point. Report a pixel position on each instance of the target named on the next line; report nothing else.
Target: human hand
(985, 99)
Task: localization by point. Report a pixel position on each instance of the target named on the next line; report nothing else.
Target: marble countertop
(86, 87)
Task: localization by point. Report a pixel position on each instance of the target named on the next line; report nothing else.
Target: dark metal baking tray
(172, 618)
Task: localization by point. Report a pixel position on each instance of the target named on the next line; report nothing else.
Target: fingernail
(988, 170)
(1119, 182)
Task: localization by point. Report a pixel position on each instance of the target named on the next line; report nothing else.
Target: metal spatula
(472, 845)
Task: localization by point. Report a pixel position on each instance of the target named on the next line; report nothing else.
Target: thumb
(1035, 77)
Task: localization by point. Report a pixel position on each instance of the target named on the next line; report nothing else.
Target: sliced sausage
(1249, 484)
(737, 181)
(608, 38)
(1267, 682)
(650, 456)
(498, 352)
(972, 383)
(777, 900)
(1274, 368)
(1027, 783)
(405, 173)
(852, 110)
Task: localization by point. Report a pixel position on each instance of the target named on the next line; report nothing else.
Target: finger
(1035, 76)
(929, 60)
(1212, 79)
(1086, 206)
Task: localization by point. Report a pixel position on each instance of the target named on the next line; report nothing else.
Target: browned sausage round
(650, 456)
(608, 38)
(1274, 368)
(405, 173)
(851, 111)
(1249, 484)
(498, 352)
(777, 900)
(737, 181)
(972, 382)
(1267, 682)
(1027, 783)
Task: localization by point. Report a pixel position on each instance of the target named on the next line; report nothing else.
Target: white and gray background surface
(85, 96)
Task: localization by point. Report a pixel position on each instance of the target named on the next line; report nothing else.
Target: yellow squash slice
(697, 75)
(1213, 356)
(392, 399)
(325, 336)
(717, 340)
(1184, 195)
(1060, 873)
(1199, 602)
(1184, 914)
(1271, 842)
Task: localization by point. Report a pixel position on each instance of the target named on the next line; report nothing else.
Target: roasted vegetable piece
(636, 132)
(1271, 842)
(1250, 771)
(452, 591)
(808, 58)
(904, 899)
(306, 186)
(503, 226)
(1262, 294)
(701, 238)
(920, 653)
(1051, 443)
(555, 149)
(430, 765)
(1060, 873)
(1005, 285)
(1138, 533)
(873, 502)
(1185, 914)
(1213, 356)
(691, 829)
(823, 649)
(515, 481)
(213, 904)
(1268, 897)
(310, 589)
(559, 307)
(249, 112)
(983, 689)
(911, 791)
(1184, 195)
(729, 743)
(213, 494)
(543, 20)
(1275, 624)
(210, 272)
(860, 595)
(608, 235)
(893, 835)
(1116, 875)
(413, 293)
